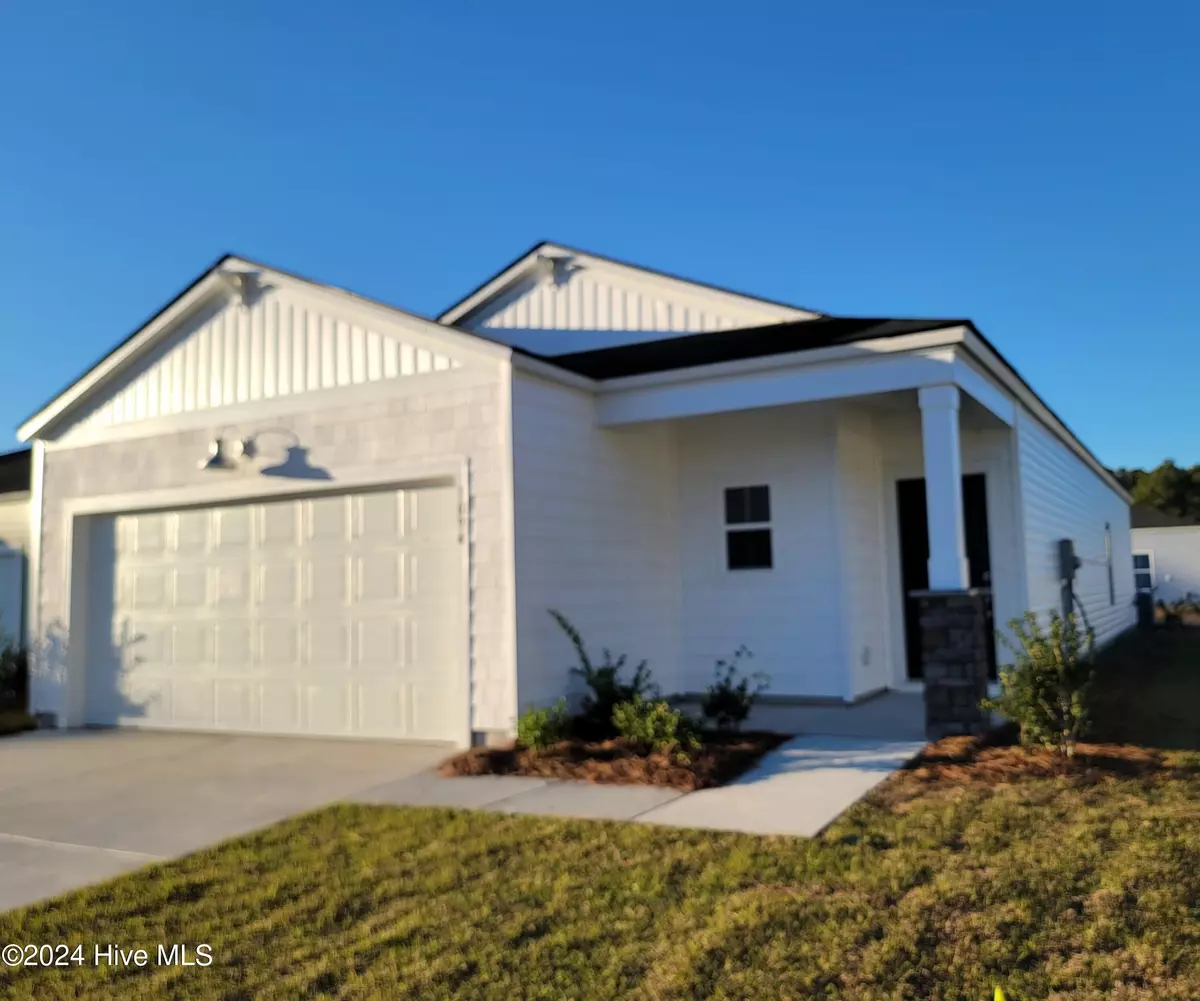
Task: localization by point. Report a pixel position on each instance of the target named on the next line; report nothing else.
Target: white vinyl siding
(1063, 498)
(596, 517)
(790, 616)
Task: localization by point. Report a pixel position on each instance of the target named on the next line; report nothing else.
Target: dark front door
(914, 555)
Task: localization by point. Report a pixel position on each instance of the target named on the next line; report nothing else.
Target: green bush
(655, 724)
(606, 690)
(1046, 692)
(541, 728)
(727, 702)
(14, 675)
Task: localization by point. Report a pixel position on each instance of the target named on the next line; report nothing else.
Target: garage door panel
(233, 650)
(232, 530)
(327, 581)
(279, 704)
(328, 708)
(279, 525)
(380, 576)
(231, 585)
(190, 587)
(431, 512)
(279, 645)
(191, 532)
(326, 615)
(237, 705)
(278, 584)
(193, 644)
(328, 645)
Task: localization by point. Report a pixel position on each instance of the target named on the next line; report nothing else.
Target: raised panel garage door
(335, 615)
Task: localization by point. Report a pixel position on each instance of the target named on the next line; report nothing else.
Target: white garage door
(336, 615)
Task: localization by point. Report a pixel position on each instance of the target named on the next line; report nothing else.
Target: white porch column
(943, 488)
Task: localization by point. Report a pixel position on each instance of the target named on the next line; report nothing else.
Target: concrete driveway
(81, 806)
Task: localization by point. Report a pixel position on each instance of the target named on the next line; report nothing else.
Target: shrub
(1046, 690)
(14, 675)
(727, 702)
(606, 690)
(540, 728)
(655, 724)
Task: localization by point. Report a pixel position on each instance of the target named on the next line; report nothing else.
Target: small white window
(748, 528)
(1143, 570)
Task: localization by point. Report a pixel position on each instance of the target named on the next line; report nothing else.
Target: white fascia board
(779, 387)
(346, 304)
(858, 350)
(984, 391)
(1008, 378)
(1167, 528)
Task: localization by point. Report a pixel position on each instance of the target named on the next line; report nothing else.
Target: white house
(282, 507)
(14, 542)
(1166, 554)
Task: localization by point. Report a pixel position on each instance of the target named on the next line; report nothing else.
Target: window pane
(1143, 581)
(749, 549)
(759, 504)
(1141, 561)
(747, 504)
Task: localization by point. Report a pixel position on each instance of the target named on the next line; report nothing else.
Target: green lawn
(1081, 888)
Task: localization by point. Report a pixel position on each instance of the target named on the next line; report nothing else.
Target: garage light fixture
(227, 453)
(239, 451)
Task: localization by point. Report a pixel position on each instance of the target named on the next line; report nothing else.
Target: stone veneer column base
(954, 660)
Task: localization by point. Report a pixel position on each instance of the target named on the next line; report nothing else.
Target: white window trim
(1149, 554)
(743, 526)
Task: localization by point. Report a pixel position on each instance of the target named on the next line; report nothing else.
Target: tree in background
(1168, 487)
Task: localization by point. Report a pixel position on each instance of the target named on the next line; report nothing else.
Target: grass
(1082, 887)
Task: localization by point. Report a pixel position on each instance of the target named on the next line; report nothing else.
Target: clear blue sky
(1035, 166)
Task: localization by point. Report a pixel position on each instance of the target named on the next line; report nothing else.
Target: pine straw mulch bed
(721, 758)
(997, 759)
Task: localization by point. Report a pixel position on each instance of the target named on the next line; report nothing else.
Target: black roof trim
(691, 350)
(625, 264)
(1145, 516)
(15, 471)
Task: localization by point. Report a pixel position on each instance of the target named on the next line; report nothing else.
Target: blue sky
(1032, 166)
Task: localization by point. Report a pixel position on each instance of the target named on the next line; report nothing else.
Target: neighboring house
(14, 542)
(678, 468)
(1166, 553)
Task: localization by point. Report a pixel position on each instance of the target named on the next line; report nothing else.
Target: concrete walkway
(78, 807)
(797, 789)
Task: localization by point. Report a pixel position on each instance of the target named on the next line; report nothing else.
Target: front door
(914, 556)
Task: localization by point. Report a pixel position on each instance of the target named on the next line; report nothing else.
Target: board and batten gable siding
(455, 415)
(790, 617)
(1063, 498)
(1176, 555)
(596, 532)
(284, 344)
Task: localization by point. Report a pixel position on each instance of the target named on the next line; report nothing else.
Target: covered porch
(808, 515)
